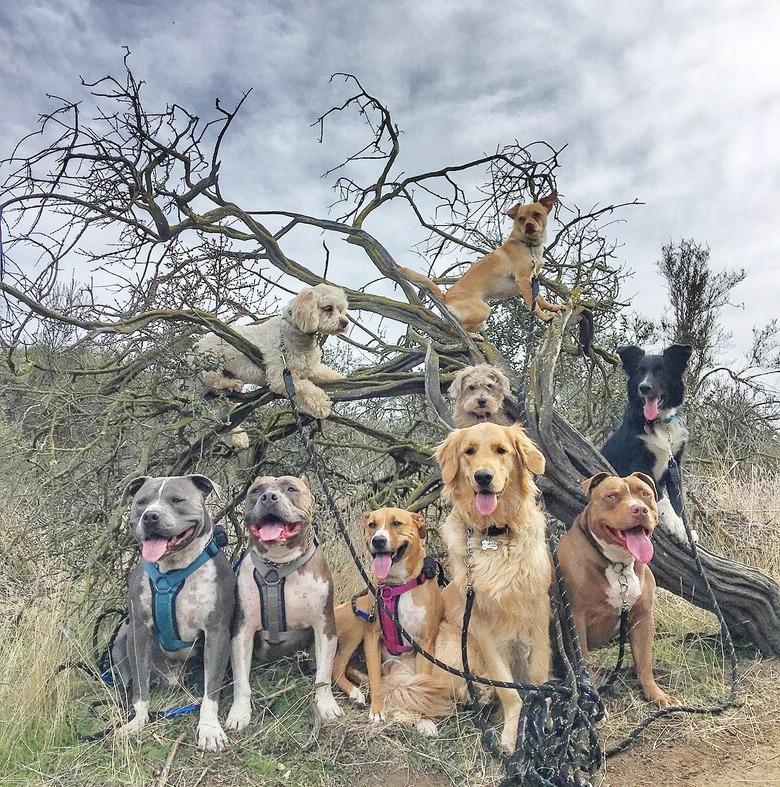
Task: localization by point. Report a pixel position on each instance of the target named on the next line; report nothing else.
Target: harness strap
(388, 615)
(270, 580)
(165, 586)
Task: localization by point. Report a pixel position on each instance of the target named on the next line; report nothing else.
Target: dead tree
(137, 195)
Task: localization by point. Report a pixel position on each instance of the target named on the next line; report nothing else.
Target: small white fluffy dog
(479, 393)
(293, 335)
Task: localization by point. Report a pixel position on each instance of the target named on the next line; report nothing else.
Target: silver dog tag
(488, 544)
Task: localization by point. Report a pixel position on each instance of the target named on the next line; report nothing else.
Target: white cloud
(676, 104)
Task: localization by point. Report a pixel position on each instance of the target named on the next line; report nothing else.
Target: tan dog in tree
(604, 558)
(407, 581)
(504, 273)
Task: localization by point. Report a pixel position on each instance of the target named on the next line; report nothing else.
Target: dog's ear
(589, 484)
(512, 212)
(647, 480)
(532, 457)
(630, 357)
(456, 387)
(133, 487)
(204, 484)
(447, 456)
(419, 522)
(678, 355)
(304, 310)
(365, 520)
(303, 477)
(549, 200)
(501, 380)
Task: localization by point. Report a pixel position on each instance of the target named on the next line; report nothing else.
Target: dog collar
(488, 536)
(669, 418)
(165, 586)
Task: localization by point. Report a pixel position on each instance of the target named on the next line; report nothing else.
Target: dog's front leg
(640, 638)
(140, 641)
(496, 668)
(216, 651)
(241, 647)
(373, 653)
(324, 653)
(324, 374)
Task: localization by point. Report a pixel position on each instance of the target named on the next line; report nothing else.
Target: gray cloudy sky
(675, 103)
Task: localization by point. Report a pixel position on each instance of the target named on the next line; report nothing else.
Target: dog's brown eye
(472, 388)
(372, 525)
(327, 309)
(395, 523)
(500, 449)
(291, 489)
(470, 450)
(178, 499)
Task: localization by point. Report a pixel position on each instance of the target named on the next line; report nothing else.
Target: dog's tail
(425, 282)
(409, 696)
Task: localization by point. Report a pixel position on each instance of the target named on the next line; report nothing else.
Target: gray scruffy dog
(479, 393)
(181, 592)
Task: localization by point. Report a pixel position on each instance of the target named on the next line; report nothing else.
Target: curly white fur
(294, 334)
(479, 393)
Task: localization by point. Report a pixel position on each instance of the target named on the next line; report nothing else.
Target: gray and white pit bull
(285, 592)
(169, 518)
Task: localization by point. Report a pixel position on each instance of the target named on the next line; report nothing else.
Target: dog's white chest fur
(620, 572)
(411, 615)
(663, 442)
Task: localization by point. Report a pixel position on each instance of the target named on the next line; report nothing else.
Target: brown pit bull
(604, 558)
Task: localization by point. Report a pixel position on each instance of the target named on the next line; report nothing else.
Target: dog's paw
(664, 700)
(328, 708)
(357, 696)
(211, 737)
(318, 409)
(239, 716)
(427, 727)
(133, 727)
(376, 718)
(237, 438)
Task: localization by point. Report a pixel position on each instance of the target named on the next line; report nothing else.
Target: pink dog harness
(388, 615)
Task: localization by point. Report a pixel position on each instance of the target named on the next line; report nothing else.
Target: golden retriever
(495, 536)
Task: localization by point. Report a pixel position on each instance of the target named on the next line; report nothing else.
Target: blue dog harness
(165, 587)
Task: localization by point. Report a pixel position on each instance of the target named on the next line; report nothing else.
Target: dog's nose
(638, 509)
(150, 518)
(269, 497)
(484, 478)
(379, 543)
(645, 388)
(481, 401)
(343, 323)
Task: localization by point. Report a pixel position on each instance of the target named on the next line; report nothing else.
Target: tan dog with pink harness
(604, 557)
(407, 584)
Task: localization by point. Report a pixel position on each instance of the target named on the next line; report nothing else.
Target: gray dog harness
(270, 579)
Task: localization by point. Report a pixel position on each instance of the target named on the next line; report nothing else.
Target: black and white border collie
(653, 429)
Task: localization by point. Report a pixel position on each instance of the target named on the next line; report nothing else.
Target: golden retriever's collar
(488, 536)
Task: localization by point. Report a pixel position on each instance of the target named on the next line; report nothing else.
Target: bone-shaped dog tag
(488, 544)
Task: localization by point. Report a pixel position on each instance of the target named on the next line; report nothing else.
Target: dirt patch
(719, 763)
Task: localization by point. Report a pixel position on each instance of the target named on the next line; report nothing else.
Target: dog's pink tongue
(381, 565)
(486, 502)
(651, 409)
(639, 545)
(152, 549)
(271, 531)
